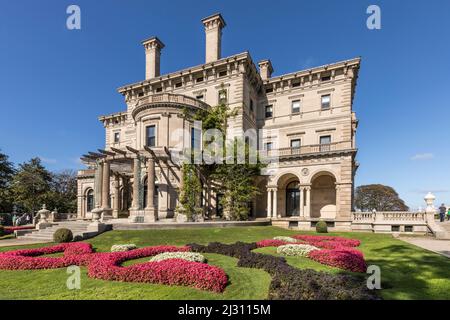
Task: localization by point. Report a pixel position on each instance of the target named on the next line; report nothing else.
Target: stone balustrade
(390, 221)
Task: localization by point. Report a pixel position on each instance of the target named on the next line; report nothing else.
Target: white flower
(301, 250)
(123, 247)
(188, 256)
(285, 239)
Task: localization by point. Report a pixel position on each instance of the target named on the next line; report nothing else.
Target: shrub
(2, 231)
(188, 256)
(62, 235)
(321, 227)
(285, 239)
(123, 247)
(301, 250)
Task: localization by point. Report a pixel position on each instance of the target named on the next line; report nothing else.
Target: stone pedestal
(150, 215)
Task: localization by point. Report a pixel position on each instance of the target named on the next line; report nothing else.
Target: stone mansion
(306, 119)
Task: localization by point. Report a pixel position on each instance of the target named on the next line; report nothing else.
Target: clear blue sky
(54, 83)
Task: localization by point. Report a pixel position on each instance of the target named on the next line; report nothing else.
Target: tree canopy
(378, 197)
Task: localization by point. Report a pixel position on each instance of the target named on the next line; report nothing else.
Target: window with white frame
(269, 111)
(296, 143)
(117, 137)
(295, 106)
(222, 96)
(150, 136)
(326, 101)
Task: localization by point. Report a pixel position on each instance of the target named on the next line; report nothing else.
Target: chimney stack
(265, 69)
(213, 32)
(153, 48)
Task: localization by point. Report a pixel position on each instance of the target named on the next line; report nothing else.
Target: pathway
(19, 242)
(441, 247)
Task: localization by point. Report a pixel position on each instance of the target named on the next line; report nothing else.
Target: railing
(173, 98)
(388, 216)
(315, 148)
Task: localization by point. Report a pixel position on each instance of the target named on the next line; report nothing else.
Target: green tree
(378, 197)
(31, 185)
(190, 195)
(6, 175)
(64, 189)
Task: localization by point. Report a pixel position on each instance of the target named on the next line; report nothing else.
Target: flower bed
(123, 247)
(301, 250)
(290, 283)
(332, 251)
(107, 266)
(10, 230)
(328, 242)
(78, 253)
(170, 272)
(286, 239)
(344, 258)
(188, 256)
(270, 243)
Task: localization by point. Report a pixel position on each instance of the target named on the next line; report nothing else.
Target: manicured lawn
(407, 272)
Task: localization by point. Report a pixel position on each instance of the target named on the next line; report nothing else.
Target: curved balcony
(168, 100)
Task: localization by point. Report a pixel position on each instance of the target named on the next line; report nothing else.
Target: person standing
(448, 214)
(442, 211)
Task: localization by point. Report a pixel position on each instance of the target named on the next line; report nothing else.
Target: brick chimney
(213, 32)
(265, 69)
(153, 48)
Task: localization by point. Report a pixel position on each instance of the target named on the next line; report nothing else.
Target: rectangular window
(295, 143)
(159, 89)
(200, 97)
(269, 111)
(268, 146)
(222, 96)
(295, 84)
(296, 106)
(223, 73)
(326, 101)
(150, 134)
(196, 138)
(200, 79)
(178, 84)
(325, 142)
(326, 78)
(269, 90)
(116, 137)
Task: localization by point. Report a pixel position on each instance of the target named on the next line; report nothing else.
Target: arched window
(90, 200)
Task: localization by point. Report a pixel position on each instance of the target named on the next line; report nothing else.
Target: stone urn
(43, 214)
(430, 211)
(96, 214)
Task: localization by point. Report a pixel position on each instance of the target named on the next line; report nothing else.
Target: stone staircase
(78, 228)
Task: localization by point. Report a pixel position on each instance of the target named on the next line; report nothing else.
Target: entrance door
(293, 199)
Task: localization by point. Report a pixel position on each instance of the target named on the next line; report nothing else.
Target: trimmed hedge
(290, 283)
(62, 235)
(321, 227)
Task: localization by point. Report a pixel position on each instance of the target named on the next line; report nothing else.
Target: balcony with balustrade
(315, 149)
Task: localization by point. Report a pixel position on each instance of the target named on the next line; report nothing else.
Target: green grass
(407, 271)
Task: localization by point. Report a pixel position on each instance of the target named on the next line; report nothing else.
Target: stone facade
(304, 119)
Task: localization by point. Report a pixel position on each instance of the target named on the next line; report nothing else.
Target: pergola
(123, 163)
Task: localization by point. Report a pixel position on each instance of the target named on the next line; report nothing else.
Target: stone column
(136, 168)
(269, 203)
(107, 211)
(98, 180)
(116, 208)
(150, 183)
(302, 201)
(308, 203)
(275, 203)
(338, 201)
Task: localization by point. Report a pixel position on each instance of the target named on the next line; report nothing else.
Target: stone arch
(288, 200)
(323, 195)
(89, 200)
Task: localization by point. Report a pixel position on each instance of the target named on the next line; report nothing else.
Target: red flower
(107, 265)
